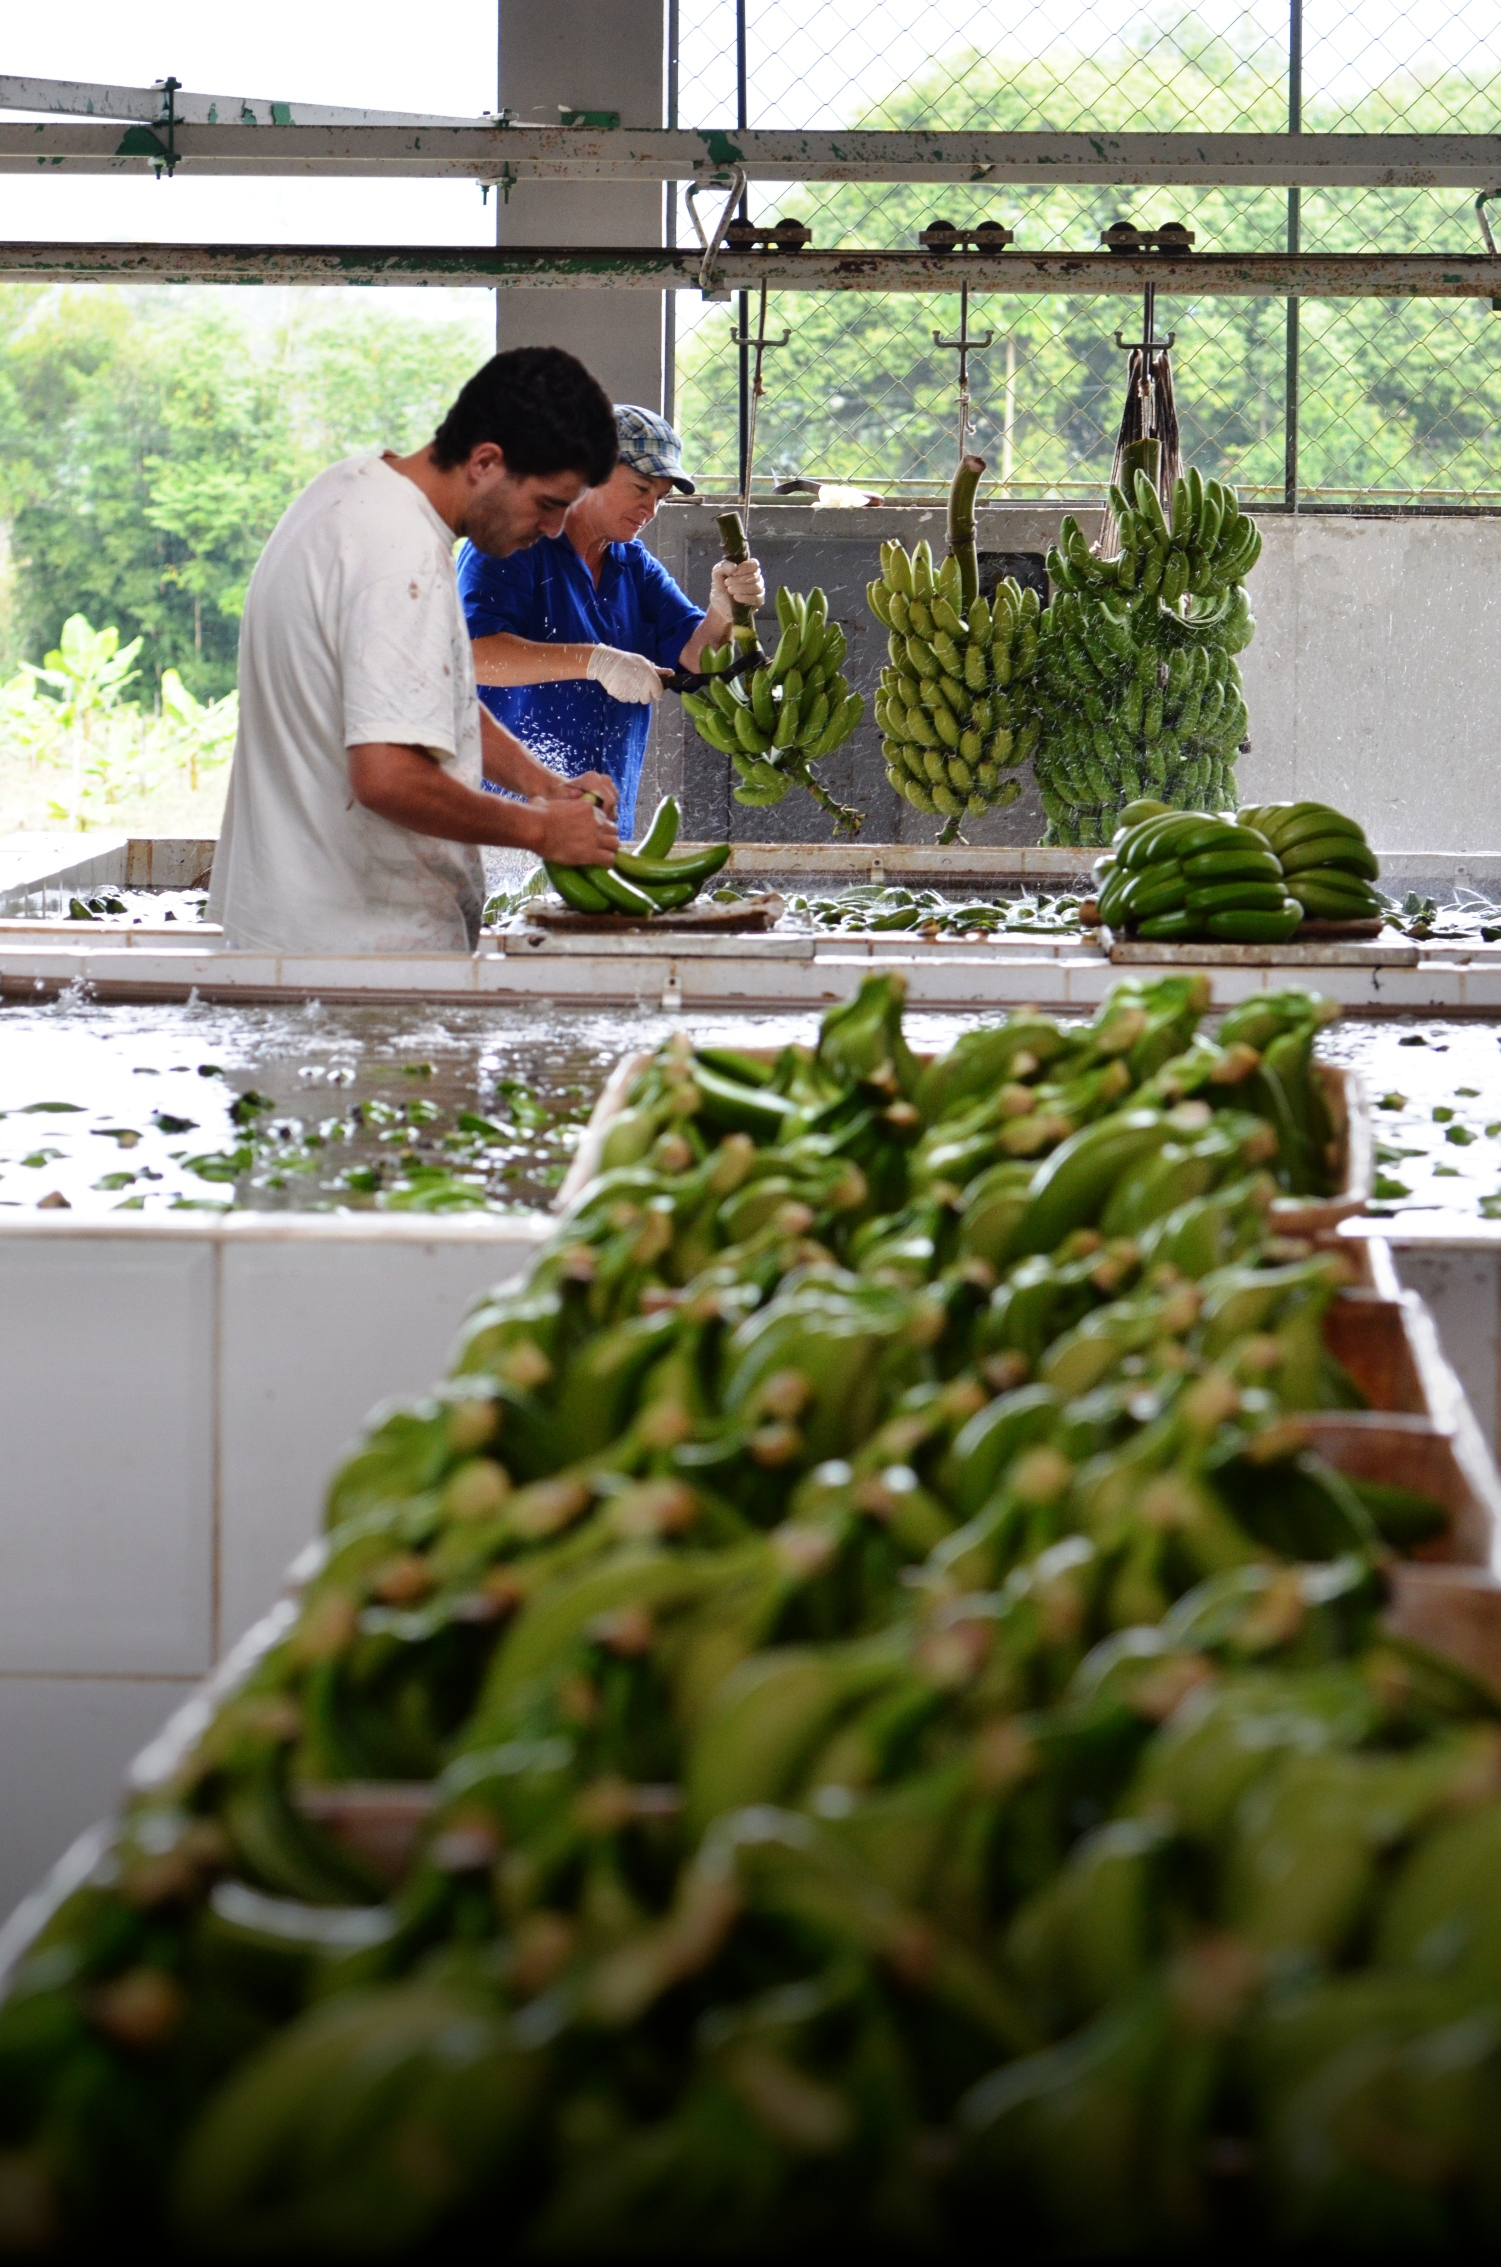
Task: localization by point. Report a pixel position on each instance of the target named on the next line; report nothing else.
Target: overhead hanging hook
(708, 275)
(762, 344)
(965, 346)
(1147, 344)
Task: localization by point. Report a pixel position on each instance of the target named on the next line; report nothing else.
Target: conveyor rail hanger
(1241, 275)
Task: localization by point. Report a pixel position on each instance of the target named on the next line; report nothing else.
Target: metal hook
(964, 345)
(708, 281)
(1147, 343)
(760, 342)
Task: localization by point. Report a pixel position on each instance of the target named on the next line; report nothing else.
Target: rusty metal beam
(75, 98)
(487, 150)
(1240, 275)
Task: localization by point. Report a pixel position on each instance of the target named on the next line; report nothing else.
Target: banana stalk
(961, 527)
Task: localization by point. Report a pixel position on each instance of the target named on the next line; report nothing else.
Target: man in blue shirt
(571, 635)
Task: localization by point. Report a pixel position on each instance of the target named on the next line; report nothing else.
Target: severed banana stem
(737, 551)
(962, 493)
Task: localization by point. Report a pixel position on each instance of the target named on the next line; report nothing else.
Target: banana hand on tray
(645, 881)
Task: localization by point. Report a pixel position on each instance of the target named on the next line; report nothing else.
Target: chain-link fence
(1323, 402)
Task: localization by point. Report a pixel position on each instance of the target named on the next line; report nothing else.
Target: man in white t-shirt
(355, 810)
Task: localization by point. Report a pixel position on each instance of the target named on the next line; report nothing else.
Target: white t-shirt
(352, 632)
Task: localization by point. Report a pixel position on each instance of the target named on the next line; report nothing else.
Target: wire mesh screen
(1393, 398)
(1398, 396)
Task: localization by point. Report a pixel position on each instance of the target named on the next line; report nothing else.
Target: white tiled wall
(1459, 1276)
(173, 1398)
(107, 1422)
(64, 1746)
(313, 1335)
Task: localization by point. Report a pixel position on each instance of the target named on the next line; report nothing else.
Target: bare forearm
(509, 762)
(512, 765)
(411, 789)
(405, 786)
(508, 660)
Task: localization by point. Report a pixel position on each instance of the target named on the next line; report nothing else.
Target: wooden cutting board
(747, 913)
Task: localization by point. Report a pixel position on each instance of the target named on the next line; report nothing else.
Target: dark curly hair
(542, 407)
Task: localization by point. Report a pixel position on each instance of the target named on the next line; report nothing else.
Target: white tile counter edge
(290, 1227)
(794, 970)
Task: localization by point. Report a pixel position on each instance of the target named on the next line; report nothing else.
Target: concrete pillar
(586, 55)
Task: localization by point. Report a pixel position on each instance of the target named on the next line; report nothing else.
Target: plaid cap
(649, 445)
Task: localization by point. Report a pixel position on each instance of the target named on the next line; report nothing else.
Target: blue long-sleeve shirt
(546, 592)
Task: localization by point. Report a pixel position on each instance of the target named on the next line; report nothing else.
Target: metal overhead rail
(149, 106)
(127, 130)
(1254, 275)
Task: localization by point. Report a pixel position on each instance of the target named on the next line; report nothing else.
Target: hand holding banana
(644, 881)
(736, 582)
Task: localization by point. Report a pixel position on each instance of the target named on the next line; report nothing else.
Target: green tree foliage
(1395, 397)
(149, 442)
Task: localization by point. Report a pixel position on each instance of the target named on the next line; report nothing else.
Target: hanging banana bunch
(955, 723)
(954, 703)
(1138, 687)
(775, 724)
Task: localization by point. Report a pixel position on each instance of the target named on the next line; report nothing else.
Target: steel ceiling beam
(1240, 275)
(486, 150)
(149, 106)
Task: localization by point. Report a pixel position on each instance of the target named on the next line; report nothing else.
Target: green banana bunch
(645, 880)
(1137, 683)
(1326, 862)
(953, 707)
(327, 2129)
(786, 716)
(1177, 876)
(877, 1755)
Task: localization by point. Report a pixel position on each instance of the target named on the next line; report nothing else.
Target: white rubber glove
(625, 676)
(742, 584)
